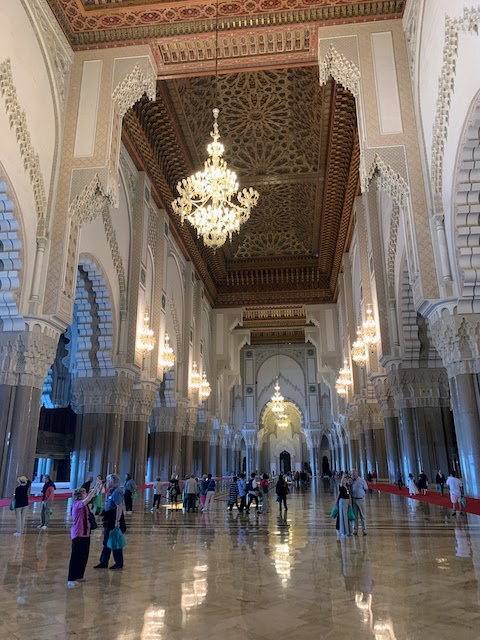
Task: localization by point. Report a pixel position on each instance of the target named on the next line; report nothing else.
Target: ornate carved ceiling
(292, 140)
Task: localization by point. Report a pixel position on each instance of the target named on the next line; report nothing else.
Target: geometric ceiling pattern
(295, 142)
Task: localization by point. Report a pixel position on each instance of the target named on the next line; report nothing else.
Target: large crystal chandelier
(370, 335)
(358, 351)
(205, 388)
(146, 338)
(206, 197)
(167, 356)
(195, 378)
(276, 404)
(344, 380)
(282, 421)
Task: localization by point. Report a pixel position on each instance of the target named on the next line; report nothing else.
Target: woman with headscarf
(48, 492)
(21, 504)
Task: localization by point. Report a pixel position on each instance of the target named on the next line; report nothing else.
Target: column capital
(457, 340)
(103, 394)
(422, 387)
(26, 356)
(141, 402)
(384, 396)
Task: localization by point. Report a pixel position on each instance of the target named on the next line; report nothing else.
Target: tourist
(252, 491)
(281, 489)
(97, 503)
(264, 486)
(80, 533)
(48, 493)
(113, 518)
(233, 494)
(399, 480)
(190, 493)
(440, 481)
(343, 502)
(242, 493)
(174, 490)
(128, 489)
(210, 494)
(21, 504)
(203, 490)
(423, 482)
(358, 490)
(456, 491)
(412, 487)
(157, 494)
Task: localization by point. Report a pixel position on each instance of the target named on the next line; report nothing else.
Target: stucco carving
(388, 180)
(457, 340)
(423, 387)
(103, 394)
(25, 356)
(10, 262)
(31, 160)
(132, 88)
(346, 73)
(116, 257)
(469, 24)
(141, 402)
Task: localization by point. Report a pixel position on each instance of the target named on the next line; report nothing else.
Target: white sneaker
(43, 527)
(17, 534)
(39, 526)
(152, 510)
(71, 584)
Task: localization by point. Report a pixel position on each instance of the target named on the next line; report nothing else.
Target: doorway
(285, 462)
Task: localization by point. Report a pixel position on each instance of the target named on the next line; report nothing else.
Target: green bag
(116, 539)
(351, 514)
(134, 495)
(12, 504)
(334, 511)
(463, 501)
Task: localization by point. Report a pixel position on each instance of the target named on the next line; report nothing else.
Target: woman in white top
(456, 489)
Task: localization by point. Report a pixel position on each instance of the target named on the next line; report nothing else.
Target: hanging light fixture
(146, 338)
(370, 335)
(276, 403)
(358, 351)
(282, 421)
(195, 378)
(344, 380)
(206, 199)
(205, 388)
(167, 356)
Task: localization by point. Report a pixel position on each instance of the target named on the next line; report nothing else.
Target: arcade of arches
(357, 122)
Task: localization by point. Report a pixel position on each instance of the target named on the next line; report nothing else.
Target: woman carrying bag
(344, 503)
(20, 504)
(282, 491)
(80, 532)
(113, 518)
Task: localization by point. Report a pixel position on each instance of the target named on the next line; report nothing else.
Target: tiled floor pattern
(224, 576)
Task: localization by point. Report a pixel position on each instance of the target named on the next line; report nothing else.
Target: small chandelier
(358, 351)
(205, 388)
(195, 378)
(167, 356)
(277, 405)
(344, 380)
(146, 339)
(282, 421)
(206, 197)
(370, 335)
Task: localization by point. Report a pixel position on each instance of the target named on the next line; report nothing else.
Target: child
(233, 494)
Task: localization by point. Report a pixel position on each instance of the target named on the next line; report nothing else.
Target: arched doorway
(285, 462)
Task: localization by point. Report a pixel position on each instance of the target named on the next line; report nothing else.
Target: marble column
(466, 411)
(370, 451)
(361, 452)
(160, 447)
(408, 452)
(135, 438)
(26, 357)
(212, 468)
(380, 453)
(391, 444)
(354, 456)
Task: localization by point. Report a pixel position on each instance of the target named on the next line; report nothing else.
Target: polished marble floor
(224, 576)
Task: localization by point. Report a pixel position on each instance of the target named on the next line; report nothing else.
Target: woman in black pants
(282, 492)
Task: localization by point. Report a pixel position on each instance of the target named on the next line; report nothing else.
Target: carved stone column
(390, 426)
(165, 440)
(187, 441)
(250, 437)
(25, 357)
(362, 453)
(456, 338)
(421, 396)
(135, 435)
(354, 453)
(101, 404)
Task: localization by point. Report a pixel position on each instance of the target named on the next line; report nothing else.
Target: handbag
(12, 504)
(116, 540)
(463, 501)
(334, 511)
(351, 514)
(134, 495)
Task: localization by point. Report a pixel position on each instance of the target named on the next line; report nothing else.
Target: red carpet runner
(433, 497)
